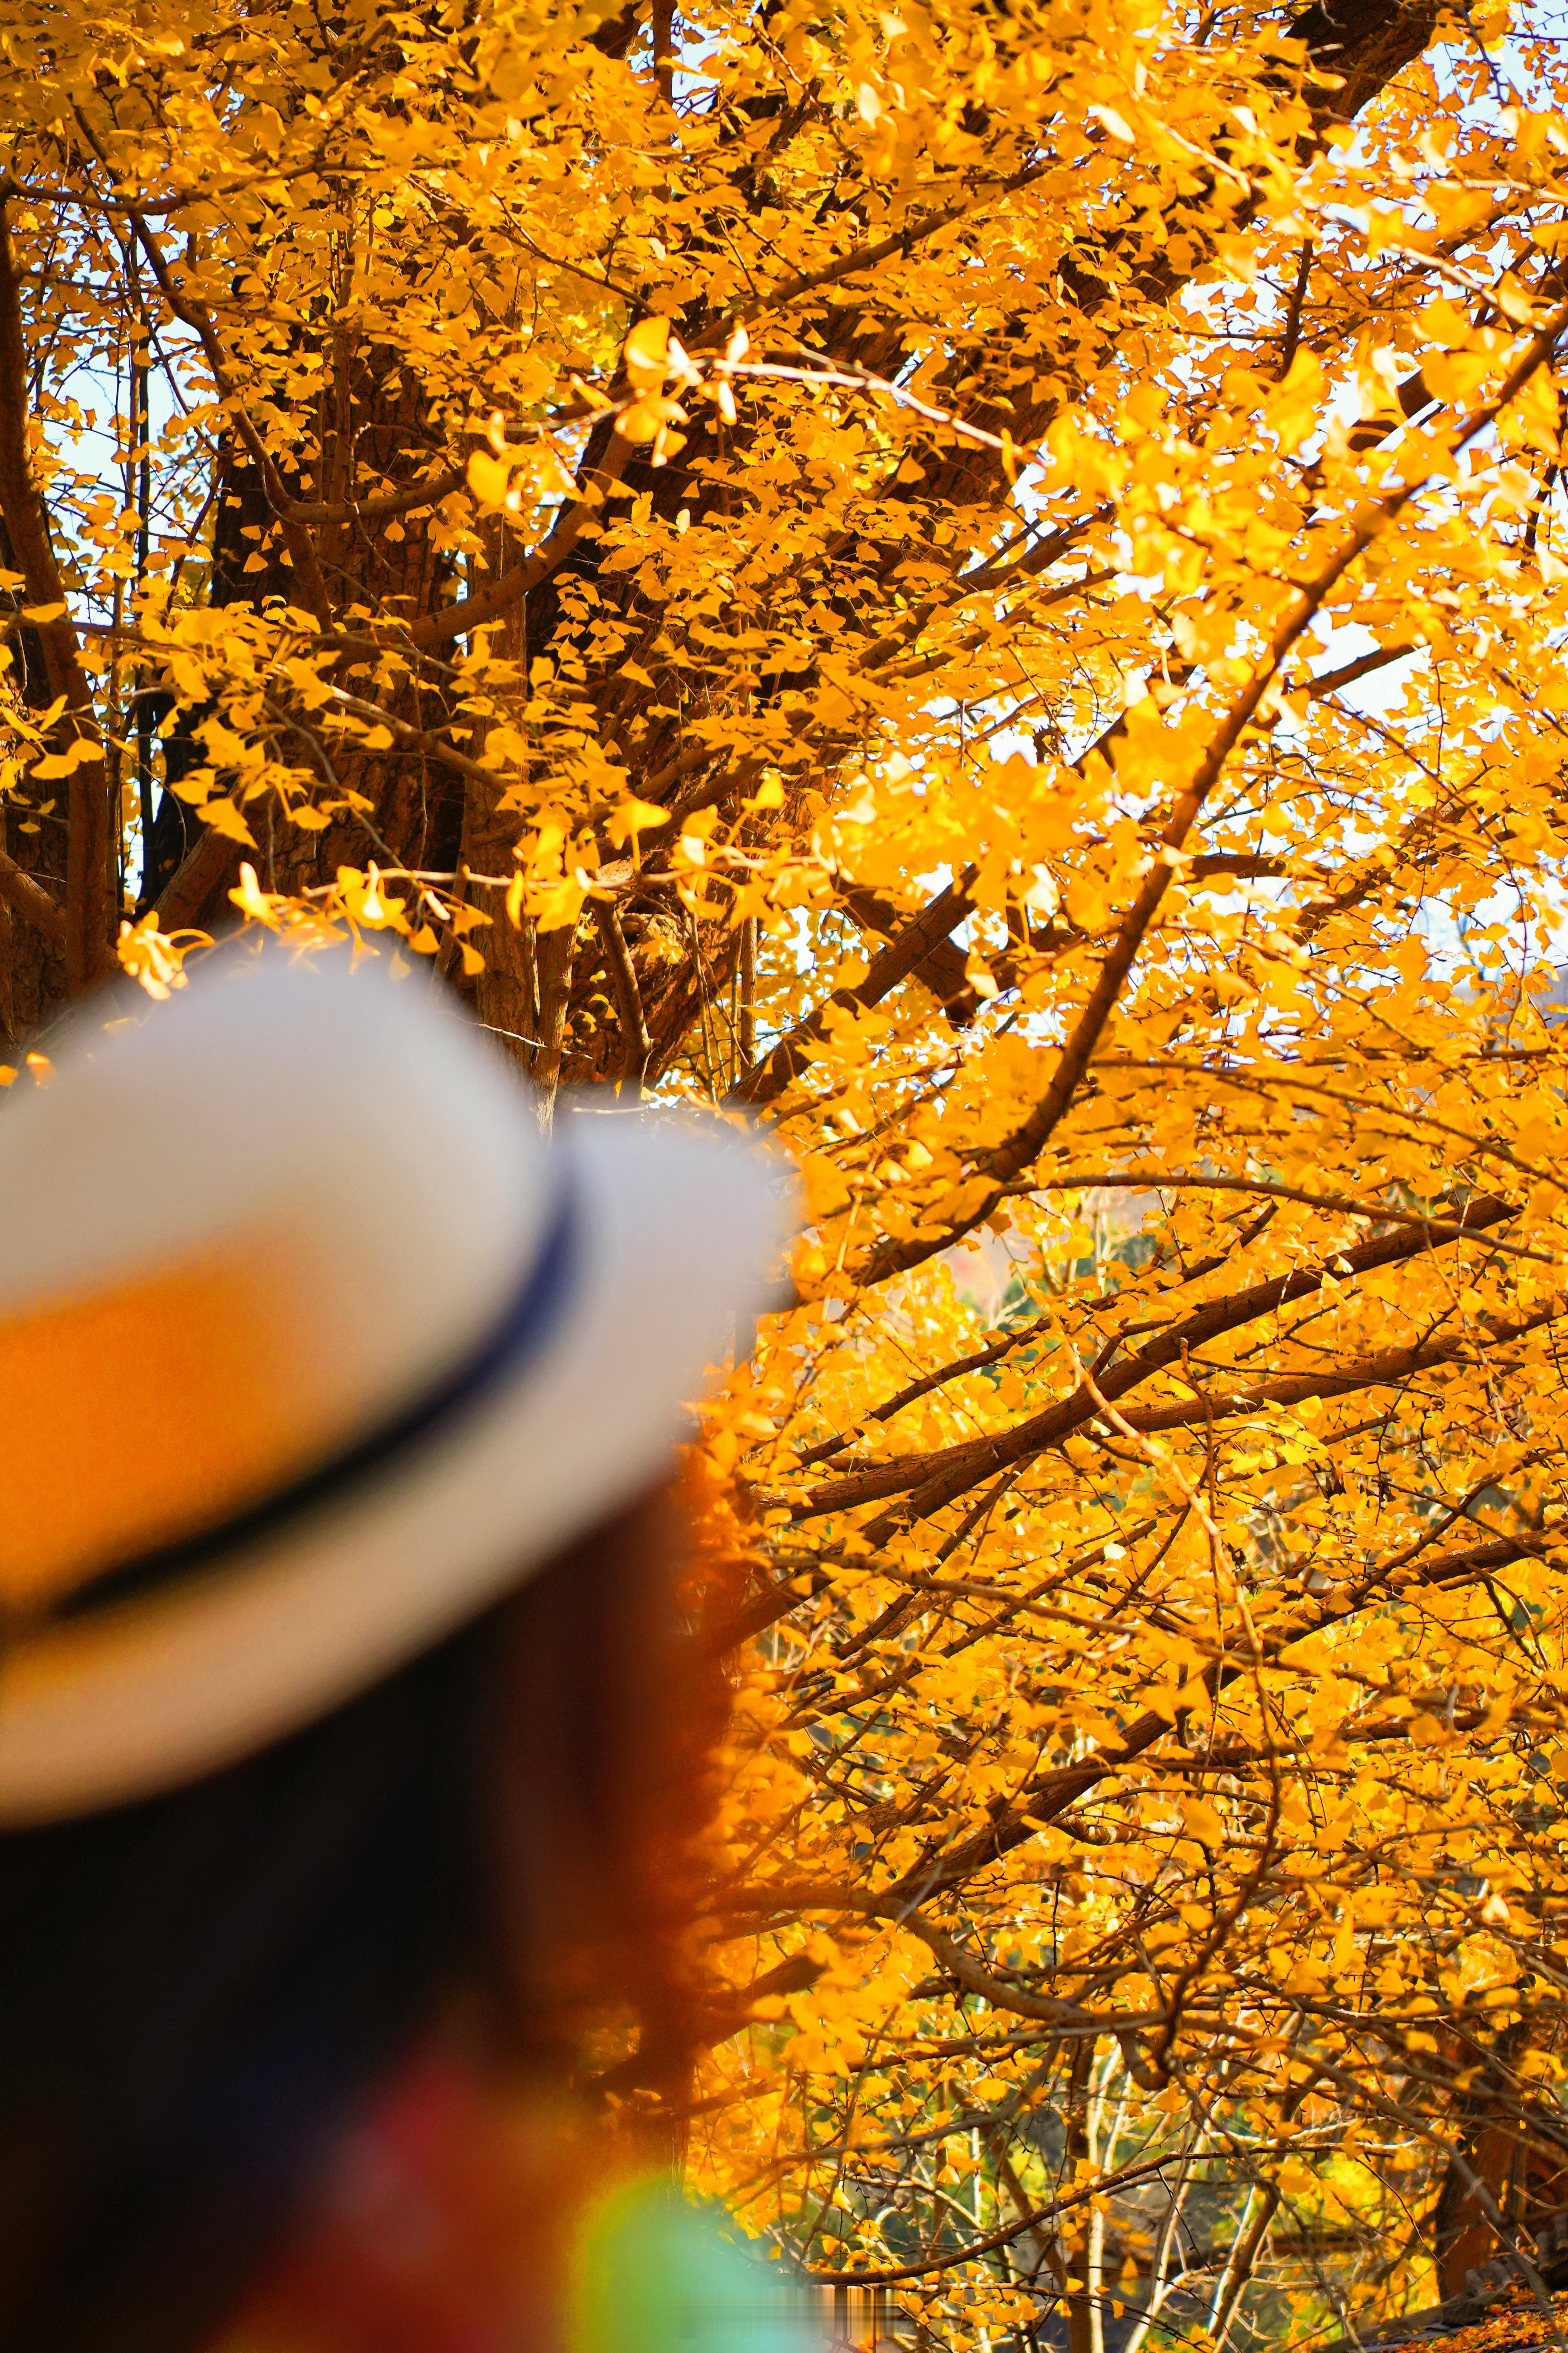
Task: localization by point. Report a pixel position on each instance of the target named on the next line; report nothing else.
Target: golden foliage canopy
(987, 584)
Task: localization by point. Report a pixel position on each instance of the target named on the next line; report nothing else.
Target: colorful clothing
(446, 2222)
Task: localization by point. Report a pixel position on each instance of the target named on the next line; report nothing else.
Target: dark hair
(197, 1989)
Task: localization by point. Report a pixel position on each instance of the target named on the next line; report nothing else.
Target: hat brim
(675, 1230)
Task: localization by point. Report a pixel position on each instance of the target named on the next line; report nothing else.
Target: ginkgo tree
(983, 586)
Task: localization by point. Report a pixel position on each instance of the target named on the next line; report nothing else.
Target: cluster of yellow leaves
(723, 499)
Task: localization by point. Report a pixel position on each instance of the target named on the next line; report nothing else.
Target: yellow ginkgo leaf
(249, 898)
(646, 355)
(635, 816)
(225, 817)
(488, 478)
(646, 419)
(76, 754)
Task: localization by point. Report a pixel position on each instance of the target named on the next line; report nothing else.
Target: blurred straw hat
(310, 1347)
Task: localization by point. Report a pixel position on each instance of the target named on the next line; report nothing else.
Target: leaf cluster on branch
(984, 586)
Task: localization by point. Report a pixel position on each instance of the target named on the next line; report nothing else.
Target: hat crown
(293, 1196)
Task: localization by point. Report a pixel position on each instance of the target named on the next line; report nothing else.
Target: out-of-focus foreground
(985, 584)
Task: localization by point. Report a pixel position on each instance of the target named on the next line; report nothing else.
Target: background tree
(979, 583)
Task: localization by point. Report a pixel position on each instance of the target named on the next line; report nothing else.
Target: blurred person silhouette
(350, 1761)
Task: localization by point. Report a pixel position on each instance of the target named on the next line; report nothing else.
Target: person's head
(358, 1711)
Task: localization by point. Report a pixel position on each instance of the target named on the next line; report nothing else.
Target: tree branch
(908, 947)
(89, 907)
(629, 997)
(488, 604)
(940, 1482)
(195, 315)
(1007, 1159)
(30, 899)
